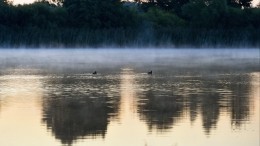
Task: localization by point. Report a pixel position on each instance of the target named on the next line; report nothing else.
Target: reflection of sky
(255, 94)
(20, 115)
(130, 131)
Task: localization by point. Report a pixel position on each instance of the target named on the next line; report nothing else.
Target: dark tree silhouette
(93, 23)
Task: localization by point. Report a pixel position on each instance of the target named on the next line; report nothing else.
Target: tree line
(95, 23)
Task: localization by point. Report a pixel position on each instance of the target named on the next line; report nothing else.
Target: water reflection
(82, 106)
(164, 101)
(79, 106)
(23, 86)
(20, 110)
(160, 111)
(127, 94)
(64, 104)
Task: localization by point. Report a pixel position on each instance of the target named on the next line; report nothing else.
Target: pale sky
(255, 2)
(22, 1)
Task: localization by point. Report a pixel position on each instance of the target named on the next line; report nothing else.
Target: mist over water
(194, 97)
(87, 60)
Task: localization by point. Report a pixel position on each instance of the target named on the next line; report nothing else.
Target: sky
(255, 2)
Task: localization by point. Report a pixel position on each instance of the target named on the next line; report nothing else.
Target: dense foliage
(97, 23)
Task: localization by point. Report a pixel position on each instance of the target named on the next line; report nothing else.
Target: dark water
(194, 97)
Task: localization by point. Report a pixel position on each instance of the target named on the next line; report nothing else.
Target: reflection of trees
(240, 102)
(194, 101)
(160, 111)
(76, 107)
(164, 100)
(70, 119)
(158, 106)
(210, 111)
(81, 107)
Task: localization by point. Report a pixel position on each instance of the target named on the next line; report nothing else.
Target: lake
(200, 97)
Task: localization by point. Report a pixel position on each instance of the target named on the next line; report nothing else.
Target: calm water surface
(194, 97)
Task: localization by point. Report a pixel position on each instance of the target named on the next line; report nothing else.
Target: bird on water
(94, 73)
(150, 72)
